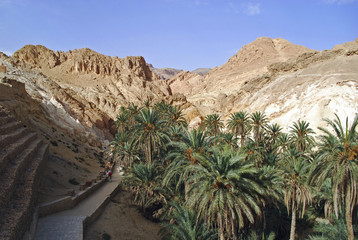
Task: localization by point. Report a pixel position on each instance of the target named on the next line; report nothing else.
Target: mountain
(164, 73)
(201, 71)
(271, 75)
(287, 81)
(72, 98)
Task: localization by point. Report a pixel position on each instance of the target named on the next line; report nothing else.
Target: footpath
(69, 224)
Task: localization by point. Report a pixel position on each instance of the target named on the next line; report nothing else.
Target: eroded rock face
(85, 61)
(102, 81)
(83, 90)
(288, 81)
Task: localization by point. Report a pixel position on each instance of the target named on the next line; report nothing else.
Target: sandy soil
(121, 220)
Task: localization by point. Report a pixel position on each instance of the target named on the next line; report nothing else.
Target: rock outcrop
(90, 87)
(105, 82)
(278, 77)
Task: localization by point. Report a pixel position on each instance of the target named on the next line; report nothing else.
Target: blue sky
(184, 34)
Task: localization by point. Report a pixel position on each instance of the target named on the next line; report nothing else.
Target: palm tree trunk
(349, 213)
(221, 227)
(293, 221)
(242, 139)
(349, 224)
(222, 237)
(149, 152)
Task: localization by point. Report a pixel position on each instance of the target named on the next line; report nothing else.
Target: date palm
(192, 142)
(302, 135)
(143, 180)
(147, 103)
(338, 160)
(239, 124)
(162, 107)
(227, 138)
(224, 190)
(258, 122)
(174, 117)
(119, 141)
(295, 169)
(150, 132)
(122, 121)
(184, 225)
(213, 124)
(129, 152)
(283, 142)
(273, 132)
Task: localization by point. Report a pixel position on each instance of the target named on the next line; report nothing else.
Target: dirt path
(121, 220)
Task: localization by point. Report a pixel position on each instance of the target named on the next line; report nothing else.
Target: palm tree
(143, 180)
(338, 160)
(239, 124)
(224, 191)
(150, 132)
(133, 111)
(174, 116)
(213, 124)
(184, 225)
(295, 169)
(119, 140)
(162, 107)
(283, 142)
(258, 121)
(129, 152)
(301, 135)
(147, 103)
(227, 138)
(273, 131)
(183, 155)
(176, 132)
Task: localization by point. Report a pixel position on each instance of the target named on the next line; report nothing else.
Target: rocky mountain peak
(37, 56)
(265, 50)
(83, 61)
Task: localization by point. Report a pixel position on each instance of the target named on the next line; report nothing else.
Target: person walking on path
(109, 175)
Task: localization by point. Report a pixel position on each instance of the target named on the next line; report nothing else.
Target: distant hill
(201, 71)
(164, 73)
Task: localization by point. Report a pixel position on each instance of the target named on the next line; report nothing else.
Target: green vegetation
(253, 181)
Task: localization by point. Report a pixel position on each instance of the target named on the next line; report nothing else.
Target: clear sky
(184, 34)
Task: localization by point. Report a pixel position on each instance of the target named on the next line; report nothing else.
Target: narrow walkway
(69, 224)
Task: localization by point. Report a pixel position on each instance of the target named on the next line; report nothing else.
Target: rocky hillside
(287, 81)
(84, 89)
(72, 98)
(103, 81)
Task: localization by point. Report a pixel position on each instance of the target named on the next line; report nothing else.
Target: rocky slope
(106, 82)
(287, 81)
(72, 98)
(83, 88)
